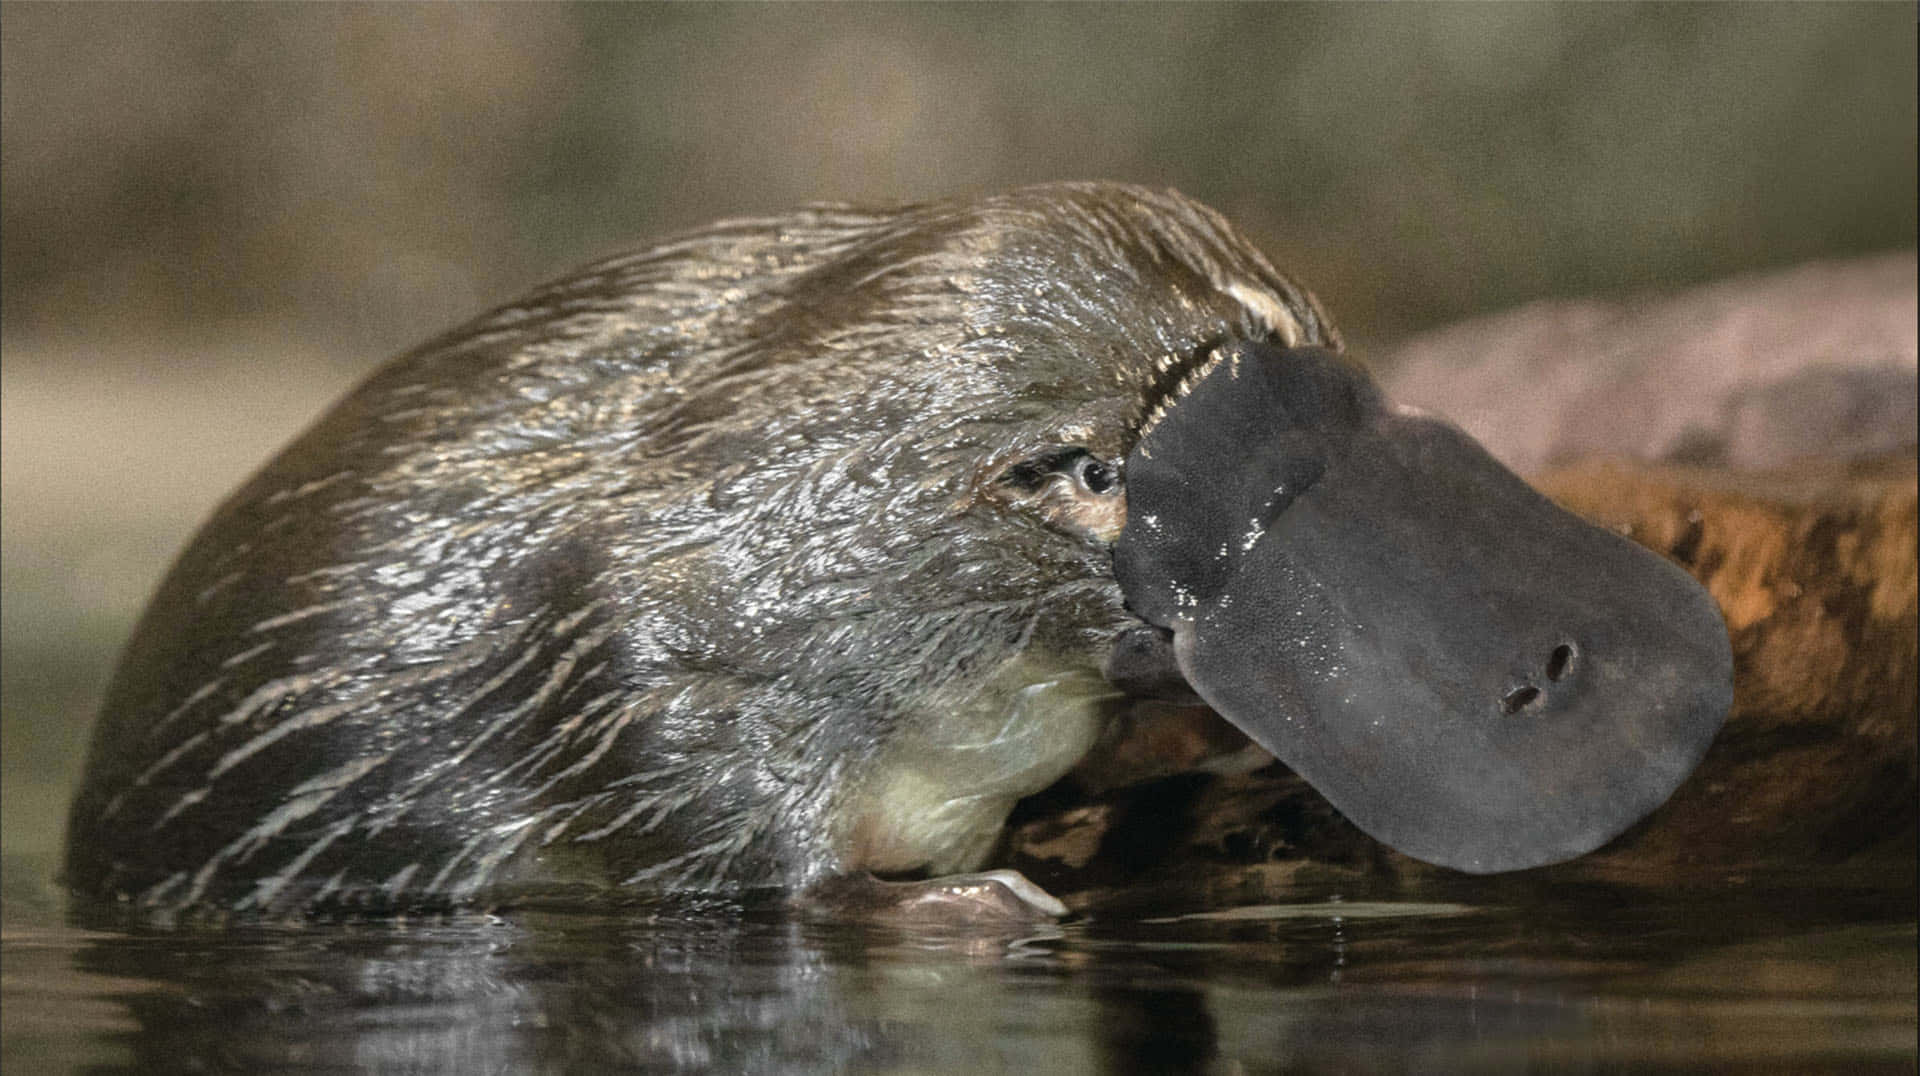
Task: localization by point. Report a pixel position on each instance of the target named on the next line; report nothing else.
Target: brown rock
(1817, 360)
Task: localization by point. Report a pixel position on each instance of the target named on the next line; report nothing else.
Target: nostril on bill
(1559, 667)
(1519, 699)
(1560, 662)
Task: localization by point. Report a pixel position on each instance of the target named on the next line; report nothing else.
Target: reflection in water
(712, 987)
(1481, 977)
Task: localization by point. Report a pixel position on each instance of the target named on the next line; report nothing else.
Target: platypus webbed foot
(997, 897)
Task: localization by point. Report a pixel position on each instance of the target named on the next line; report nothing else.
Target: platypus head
(1091, 424)
(1469, 673)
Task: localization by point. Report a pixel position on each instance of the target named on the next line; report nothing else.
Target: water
(1475, 975)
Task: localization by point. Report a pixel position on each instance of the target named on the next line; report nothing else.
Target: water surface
(1472, 975)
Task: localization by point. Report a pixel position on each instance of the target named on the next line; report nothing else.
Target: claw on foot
(988, 898)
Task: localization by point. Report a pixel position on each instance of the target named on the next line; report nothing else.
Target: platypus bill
(794, 551)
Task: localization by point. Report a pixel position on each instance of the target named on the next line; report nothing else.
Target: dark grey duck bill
(1472, 675)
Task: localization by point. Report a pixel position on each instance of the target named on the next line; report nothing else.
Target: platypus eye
(1088, 472)
(1095, 475)
(1073, 489)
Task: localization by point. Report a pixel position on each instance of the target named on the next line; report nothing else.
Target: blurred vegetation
(369, 174)
(215, 217)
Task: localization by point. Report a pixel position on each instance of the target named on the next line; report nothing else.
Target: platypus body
(798, 548)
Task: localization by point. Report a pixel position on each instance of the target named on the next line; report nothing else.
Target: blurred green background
(216, 218)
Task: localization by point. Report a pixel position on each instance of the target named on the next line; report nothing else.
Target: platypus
(797, 549)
